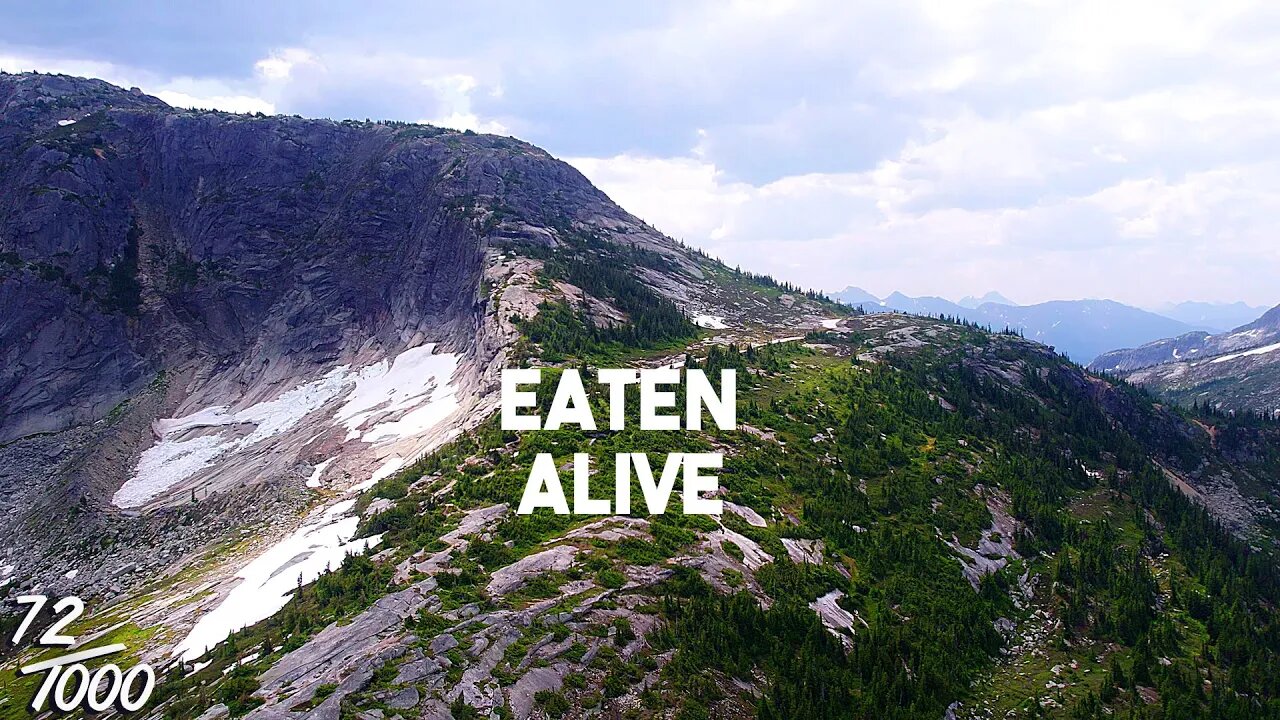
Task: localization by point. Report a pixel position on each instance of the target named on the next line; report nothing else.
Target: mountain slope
(912, 497)
(1081, 328)
(197, 302)
(1237, 370)
(922, 519)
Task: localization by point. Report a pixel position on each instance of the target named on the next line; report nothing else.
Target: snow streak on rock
(267, 583)
(386, 401)
(192, 443)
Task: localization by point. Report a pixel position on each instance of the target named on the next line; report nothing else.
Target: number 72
(73, 606)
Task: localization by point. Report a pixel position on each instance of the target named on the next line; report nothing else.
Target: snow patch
(314, 480)
(267, 582)
(385, 470)
(1256, 351)
(711, 322)
(415, 383)
(414, 389)
(178, 456)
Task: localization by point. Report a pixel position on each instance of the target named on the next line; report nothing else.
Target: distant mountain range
(1238, 370)
(1218, 317)
(1081, 329)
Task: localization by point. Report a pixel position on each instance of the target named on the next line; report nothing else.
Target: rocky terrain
(1237, 370)
(249, 392)
(197, 301)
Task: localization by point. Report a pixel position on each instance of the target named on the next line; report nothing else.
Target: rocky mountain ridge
(197, 302)
(1236, 370)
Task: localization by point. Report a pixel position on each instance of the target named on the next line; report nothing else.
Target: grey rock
(217, 712)
(521, 694)
(419, 670)
(404, 699)
(339, 645)
(443, 643)
(274, 240)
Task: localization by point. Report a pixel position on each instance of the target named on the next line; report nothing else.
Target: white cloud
(294, 79)
(453, 93)
(832, 230)
(279, 65)
(228, 103)
(1050, 149)
(209, 94)
(469, 121)
(685, 197)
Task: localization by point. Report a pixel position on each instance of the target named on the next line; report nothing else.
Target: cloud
(279, 64)
(179, 91)
(339, 82)
(454, 95)
(1054, 149)
(1163, 238)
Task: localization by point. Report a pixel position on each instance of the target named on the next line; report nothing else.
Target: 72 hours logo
(69, 681)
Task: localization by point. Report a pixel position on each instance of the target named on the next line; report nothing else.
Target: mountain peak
(24, 94)
(855, 296)
(1270, 320)
(993, 297)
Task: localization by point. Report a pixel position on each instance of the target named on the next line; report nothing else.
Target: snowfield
(398, 399)
(416, 381)
(267, 583)
(710, 322)
(314, 480)
(1256, 351)
(387, 468)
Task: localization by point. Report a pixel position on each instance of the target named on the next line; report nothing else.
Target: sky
(1048, 150)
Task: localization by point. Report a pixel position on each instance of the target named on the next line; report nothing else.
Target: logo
(69, 682)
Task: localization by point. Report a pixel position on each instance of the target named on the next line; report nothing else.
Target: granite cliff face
(139, 238)
(195, 302)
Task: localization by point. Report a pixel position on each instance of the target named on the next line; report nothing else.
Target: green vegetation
(1141, 605)
(603, 270)
(124, 292)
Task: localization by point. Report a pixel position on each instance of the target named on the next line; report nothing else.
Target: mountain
(1236, 370)
(1214, 316)
(924, 305)
(250, 416)
(972, 303)
(194, 287)
(855, 296)
(1081, 329)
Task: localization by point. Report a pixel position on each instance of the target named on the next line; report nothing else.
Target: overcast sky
(1046, 150)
